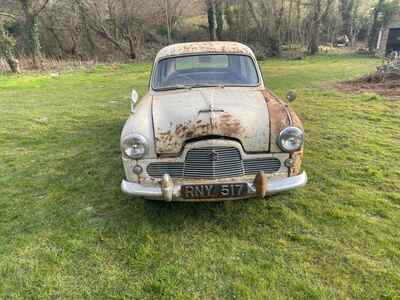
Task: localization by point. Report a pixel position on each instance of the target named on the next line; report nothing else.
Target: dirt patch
(382, 83)
(385, 81)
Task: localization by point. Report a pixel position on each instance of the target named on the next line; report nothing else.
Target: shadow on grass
(82, 184)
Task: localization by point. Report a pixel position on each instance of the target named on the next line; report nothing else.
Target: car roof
(204, 48)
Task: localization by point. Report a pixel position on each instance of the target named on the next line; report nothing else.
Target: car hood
(240, 114)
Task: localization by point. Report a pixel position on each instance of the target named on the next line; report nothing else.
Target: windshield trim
(154, 71)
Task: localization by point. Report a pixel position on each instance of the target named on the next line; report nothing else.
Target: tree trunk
(34, 40)
(313, 46)
(132, 49)
(376, 26)
(315, 26)
(13, 63)
(32, 33)
(219, 14)
(289, 33)
(212, 20)
(346, 11)
(168, 18)
(299, 36)
(86, 30)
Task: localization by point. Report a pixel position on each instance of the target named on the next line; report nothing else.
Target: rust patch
(261, 183)
(204, 47)
(298, 160)
(224, 125)
(229, 126)
(296, 121)
(279, 118)
(173, 138)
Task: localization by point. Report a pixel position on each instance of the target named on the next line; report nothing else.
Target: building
(389, 37)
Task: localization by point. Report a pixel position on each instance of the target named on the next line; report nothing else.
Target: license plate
(213, 191)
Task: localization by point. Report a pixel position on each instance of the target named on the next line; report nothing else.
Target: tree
(31, 10)
(212, 19)
(317, 14)
(7, 46)
(172, 9)
(346, 8)
(116, 27)
(219, 16)
(119, 29)
(268, 17)
(376, 24)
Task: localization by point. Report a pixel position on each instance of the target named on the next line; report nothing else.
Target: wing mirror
(134, 100)
(291, 96)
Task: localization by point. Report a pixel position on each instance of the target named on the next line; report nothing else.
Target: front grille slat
(158, 170)
(269, 166)
(199, 164)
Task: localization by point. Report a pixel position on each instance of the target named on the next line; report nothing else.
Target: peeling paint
(279, 118)
(247, 118)
(282, 116)
(237, 113)
(298, 161)
(204, 47)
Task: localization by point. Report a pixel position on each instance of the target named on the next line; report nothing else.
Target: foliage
(6, 41)
(389, 9)
(67, 231)
(123, 30)
(7, 49)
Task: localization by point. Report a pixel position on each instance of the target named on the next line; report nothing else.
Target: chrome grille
(213, 163)
(157, 170)
(267, 165)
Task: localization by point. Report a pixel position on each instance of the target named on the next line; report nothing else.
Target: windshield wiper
(189, 87)
(201, 86)
(175, 87)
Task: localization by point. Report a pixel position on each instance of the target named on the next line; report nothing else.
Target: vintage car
(209, 130)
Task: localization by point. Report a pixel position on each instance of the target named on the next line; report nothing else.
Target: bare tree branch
(253, 11)
(4, 14)
(41, 8)
(326, 11)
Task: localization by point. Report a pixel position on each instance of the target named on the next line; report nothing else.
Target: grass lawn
(67, 232)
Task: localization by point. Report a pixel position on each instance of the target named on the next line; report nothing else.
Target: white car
(209, 130)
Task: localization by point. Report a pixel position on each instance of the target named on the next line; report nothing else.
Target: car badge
(214, 156)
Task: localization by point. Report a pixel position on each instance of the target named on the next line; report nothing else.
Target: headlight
(134, 146)
(291, 139)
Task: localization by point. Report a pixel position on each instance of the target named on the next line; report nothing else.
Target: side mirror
(134, 99)
(291, 96)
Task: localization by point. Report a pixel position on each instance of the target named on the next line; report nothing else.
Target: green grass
(67, 232)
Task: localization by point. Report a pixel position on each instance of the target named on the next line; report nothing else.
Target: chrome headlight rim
(285, 133)
(128, 143)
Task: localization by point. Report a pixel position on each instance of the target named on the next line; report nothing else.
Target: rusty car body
(208, 129)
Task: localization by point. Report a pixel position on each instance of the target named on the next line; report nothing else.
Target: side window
(249, 70)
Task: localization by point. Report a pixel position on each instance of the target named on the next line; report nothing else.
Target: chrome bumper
(167, 191)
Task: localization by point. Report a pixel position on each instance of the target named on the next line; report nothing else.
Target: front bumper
(166, 190)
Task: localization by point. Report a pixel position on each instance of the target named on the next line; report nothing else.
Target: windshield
(205, 70)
